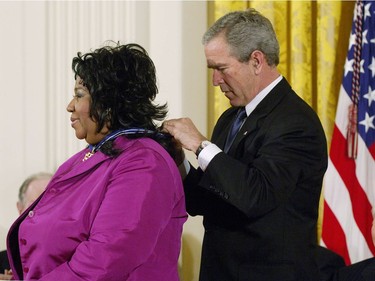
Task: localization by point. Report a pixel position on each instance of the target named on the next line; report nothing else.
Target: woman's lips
(73, 121)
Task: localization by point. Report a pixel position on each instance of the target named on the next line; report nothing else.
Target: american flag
(349, 184)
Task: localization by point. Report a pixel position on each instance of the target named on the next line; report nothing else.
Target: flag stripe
(336, 233)
(372, 151)
(365, 167)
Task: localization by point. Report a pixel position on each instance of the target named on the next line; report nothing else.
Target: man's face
(33, 191)
(236, 79)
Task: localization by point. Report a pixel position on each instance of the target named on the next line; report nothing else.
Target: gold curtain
(314, 38)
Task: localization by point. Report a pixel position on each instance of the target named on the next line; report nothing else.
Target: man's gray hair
(26, 183)
(245, 32)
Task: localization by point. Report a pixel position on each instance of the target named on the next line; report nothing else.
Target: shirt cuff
(206, 155)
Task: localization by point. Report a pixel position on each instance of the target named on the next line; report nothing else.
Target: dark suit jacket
(4, 262)
(260, 201)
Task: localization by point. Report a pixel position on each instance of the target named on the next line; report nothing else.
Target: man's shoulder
(4, 263)
(369, 269)
(364, 270)
(3, 254)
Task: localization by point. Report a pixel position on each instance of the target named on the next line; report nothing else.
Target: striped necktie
(240, 117)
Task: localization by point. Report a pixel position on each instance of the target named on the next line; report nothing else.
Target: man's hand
(184, 132)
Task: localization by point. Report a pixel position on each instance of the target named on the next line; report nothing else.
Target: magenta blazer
(104, 219)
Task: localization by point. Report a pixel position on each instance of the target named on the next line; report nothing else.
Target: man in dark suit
(4, 263)
(259, 193)
(332, 267)
(360, 271)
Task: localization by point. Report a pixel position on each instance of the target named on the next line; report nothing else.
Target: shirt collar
(262, 94)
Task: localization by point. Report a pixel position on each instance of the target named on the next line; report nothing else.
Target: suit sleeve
(199, 201)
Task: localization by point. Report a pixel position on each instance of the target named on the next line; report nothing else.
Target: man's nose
(217, 78)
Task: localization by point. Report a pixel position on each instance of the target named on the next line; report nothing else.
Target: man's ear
(257, 58)
(19, 207)
(257, 61)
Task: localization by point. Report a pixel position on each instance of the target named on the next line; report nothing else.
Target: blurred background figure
(29, 191)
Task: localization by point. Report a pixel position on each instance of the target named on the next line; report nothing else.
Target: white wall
(38, 42)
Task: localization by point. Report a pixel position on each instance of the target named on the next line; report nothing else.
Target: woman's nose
(70, 107)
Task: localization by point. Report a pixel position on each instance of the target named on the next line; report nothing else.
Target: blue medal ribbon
(116, 133)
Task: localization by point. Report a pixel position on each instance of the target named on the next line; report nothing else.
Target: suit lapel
(263, 109)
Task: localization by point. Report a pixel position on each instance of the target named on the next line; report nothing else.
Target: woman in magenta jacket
(115, 210)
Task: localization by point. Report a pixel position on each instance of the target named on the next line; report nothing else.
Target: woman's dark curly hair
(121, 80)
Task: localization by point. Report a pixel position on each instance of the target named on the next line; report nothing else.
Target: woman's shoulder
(142, 152)
(142, 147)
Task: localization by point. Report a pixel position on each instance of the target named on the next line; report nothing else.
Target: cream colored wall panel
(22, 111)
(39, 40)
